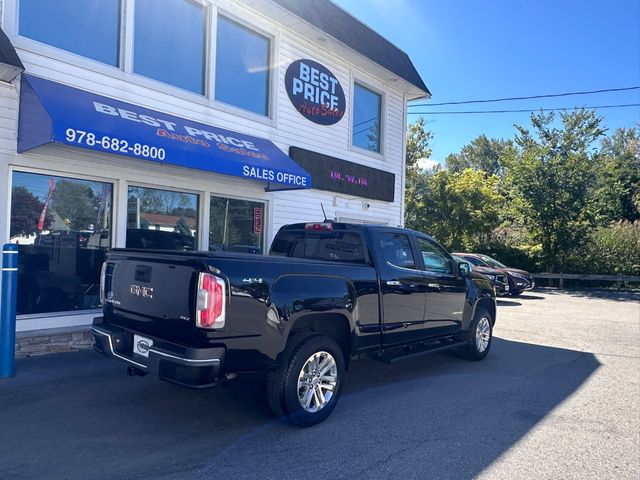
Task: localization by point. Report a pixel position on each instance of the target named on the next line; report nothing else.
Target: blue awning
(54, 113)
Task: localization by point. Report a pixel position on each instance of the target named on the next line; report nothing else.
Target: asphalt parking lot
(557, 397)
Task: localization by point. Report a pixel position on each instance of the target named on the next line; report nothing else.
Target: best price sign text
(315, 92)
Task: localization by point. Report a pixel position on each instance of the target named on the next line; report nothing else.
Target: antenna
(323, 212)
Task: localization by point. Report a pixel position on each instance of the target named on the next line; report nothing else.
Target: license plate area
(141, 345)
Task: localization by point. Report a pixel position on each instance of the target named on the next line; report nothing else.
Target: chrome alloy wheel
(483, 334)
(317, 381)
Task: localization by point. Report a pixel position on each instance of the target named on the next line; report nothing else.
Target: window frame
(273, 38)
(128, 67)
(124, 70)
(265, 212)
(412, 246)
(12, 29)
(380, 155)
(115, 191)
(200, 237)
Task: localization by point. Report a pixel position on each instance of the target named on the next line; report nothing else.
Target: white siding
(287, 128)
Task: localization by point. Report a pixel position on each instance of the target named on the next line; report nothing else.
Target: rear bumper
(190, 367)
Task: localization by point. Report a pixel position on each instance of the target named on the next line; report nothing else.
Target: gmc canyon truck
(327, 293)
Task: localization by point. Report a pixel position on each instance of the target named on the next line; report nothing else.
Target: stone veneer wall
(44, 342)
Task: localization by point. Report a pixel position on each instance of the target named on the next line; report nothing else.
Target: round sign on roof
(315, 92)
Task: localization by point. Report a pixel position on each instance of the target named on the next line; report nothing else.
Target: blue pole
(8, 294)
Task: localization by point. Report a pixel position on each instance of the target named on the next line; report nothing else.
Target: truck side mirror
(464, 269)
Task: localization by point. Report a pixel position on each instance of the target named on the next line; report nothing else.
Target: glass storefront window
(236, 225)
(367, 118)
(169, 42)
(90, 28)
(63, 229)
(242, 67)
(162, 219)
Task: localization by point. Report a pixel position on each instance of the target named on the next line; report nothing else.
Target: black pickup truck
(326, 293)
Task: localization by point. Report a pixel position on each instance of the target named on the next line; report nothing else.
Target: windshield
(494, 263)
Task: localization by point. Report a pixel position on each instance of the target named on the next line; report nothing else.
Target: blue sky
(468, 50)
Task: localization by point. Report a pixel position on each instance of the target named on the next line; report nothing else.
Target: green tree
(481, 154)
(25, 212)
(552, 175)
(418, 140)
(459, 209)
(618, 193)
(75, 203)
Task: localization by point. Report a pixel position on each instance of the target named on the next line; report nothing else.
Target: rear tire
(306, 387)
(480, 336)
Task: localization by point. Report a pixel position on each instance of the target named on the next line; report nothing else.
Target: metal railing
(561, 277)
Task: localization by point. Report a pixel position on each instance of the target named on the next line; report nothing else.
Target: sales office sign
(315, 92)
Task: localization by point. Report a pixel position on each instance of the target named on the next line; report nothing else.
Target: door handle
(434, 285)
(394, 283)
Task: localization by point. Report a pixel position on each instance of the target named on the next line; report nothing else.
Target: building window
(242, 67)
(236, 225)
(162, 219)
(367, 118)
(169, 42)
(63, 229)
(90, 28)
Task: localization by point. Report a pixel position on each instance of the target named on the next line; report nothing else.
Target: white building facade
(332, 98)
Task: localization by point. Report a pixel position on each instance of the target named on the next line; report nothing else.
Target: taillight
(319, 226)
(210, 301)
(103, 275)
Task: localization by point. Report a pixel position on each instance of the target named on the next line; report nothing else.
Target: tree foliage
(552, 173)
(559, 195)
(481, 154)
(25, 212)
(618, 192)
(459, 209)
(75, 203)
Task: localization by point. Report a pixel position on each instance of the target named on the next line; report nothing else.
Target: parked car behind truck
(326, 293)
(497, 278)
(518, 280)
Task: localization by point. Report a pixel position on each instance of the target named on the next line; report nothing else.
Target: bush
(513, 246)
(610, 250)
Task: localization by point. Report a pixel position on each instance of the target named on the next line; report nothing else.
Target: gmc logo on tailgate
(140, 291)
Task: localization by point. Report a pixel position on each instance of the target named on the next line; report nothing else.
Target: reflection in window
(242, 67)
(434, 258)
(236, 225)
(396, 249)
(162, 219)
(367, 118)
(63, 229)
(169, 42)
(90, 28)
(333, 246)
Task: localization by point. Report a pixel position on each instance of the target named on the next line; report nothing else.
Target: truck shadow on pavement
(78, 416)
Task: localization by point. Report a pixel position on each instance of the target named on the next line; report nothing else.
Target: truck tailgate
(152, 295)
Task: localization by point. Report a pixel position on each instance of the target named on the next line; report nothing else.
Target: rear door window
(335, 246)
(396, 249)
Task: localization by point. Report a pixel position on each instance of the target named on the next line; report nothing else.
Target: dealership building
(186, 124)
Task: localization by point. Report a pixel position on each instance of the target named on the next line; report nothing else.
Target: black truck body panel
(370, 304)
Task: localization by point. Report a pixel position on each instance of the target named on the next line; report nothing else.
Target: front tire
(305, 388)
(480, 336)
